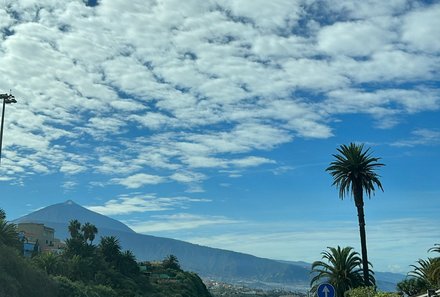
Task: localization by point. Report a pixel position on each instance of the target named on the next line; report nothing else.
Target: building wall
(34, 232)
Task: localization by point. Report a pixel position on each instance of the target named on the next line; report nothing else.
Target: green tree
(368, 292)
(74, 228)
(2, 214)
(89, 231)
(427, 271)
(341, 268)
(412, 286)
(171, 262)
(127, 264)
(353, 172)
(8, 232)
(19, 278)
(49, 262)
(110, 249)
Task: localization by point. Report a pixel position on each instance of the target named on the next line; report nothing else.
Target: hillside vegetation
(84, 269)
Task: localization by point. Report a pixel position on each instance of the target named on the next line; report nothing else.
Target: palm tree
(171, 262)
(74, 228)
(110, 248)
(2, 214)
(127, 264)
(353, 172)
(435, 248)
(342, 269)
(8, 232)
(48, 262)
(428, 271)
(89, 231)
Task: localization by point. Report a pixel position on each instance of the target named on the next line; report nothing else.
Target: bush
(68, 288)
(19, 278)
(368, 292)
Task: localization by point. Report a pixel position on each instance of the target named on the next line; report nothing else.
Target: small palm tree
(127, 264)
(2, 214)
(171, 262)
(427, 271)
(353, 172)
(110, 248)
(48, 262)
(342, 269)
(8, 232)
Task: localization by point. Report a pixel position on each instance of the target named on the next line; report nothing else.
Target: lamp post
(7, 99)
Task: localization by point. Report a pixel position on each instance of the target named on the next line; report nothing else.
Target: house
(40, 238)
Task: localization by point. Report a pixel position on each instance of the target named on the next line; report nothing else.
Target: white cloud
(187, 177)
(359, 38)
(140, 203)
(251, 161)
(138, 180)
(420, 27)
(420, 137)
(180, 221)
(210, 85)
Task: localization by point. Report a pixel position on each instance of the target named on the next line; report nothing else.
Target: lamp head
(9, 99)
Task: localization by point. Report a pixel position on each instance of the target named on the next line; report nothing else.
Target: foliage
(171, 262)
(387, 294)
(353, 172)
(19, 278)
(68, 288)
(88, 270)
(435, 248)
(360, 292)
(368, 292)
(342, 269)
(412, 286)
(8, 232)
(425, 275)
(89, 232)
(50, 263)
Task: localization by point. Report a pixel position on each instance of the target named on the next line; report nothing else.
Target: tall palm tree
(74, 228)
(89, 232)
(342, 269)
(353, 172)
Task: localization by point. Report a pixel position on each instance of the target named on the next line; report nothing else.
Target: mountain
(218, 264)
(62, 213)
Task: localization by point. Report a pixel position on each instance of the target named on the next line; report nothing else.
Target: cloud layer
(139, 91)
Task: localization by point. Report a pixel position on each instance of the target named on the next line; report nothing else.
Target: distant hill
(208, 262)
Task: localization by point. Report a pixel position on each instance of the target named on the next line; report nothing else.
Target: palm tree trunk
(361, 217)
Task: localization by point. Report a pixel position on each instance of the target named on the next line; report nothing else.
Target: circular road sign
(326, 290)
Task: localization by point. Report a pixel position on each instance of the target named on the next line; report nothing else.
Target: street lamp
(7, 99)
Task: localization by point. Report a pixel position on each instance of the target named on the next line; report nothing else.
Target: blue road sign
(326, 290)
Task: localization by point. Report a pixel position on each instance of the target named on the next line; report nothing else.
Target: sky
(212, 121)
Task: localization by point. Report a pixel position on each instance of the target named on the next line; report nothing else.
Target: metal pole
(7, 99)
(1, 132)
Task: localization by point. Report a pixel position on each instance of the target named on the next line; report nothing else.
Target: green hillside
(85, 269)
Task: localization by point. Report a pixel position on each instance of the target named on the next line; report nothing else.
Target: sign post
(326, 290)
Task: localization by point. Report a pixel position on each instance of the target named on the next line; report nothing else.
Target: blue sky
(213, 121)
